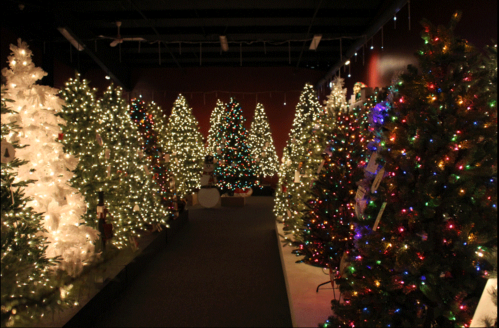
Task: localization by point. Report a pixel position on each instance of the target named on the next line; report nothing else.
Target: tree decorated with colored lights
(261, 144)
(132, 198)
(34, 110)
(422, 265)
(152, 150)
(324, 228)
(216, 126)
(185, 144)
(160, 123)
(236, 169)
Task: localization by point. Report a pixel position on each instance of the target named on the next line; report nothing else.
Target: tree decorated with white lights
(160, 120)
(80, 137)
(261, 144)
(309, 116)
(423, 264)
(281, 204)
(62, 206)
(25, 268)
(337, 100)
(236, 167)
(133, 198)
(185, 145)
(216, 125)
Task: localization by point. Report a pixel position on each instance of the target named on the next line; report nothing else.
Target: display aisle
(222, 269)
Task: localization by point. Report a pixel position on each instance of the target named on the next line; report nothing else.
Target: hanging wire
(200, 53)
(119, 50)
(289, 51)
(159, 52)
(409, 7)
(241, 54)
(363, 54)
(70, 53)
(381, 38)
(341, 51)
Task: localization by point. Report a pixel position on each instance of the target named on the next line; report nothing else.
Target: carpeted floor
(223, 269)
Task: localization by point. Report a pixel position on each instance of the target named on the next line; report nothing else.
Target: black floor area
(222, 269)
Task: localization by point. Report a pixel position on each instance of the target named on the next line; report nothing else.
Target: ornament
(60, 136)
(372, 166)
(297, 176)
(140, 153)
(146, 169)
(8, 152)
(136, 208)
(107, 153)
(99, 139)
(320, 167)
(380, 213)
(109, 170)
(167, 158)
(377, 179)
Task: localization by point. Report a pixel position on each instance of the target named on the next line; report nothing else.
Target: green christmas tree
(80, 137)
(307, 111)
(216, 125)
(152, 149)
(324, 225)
(417, 260)
(236, 170)
(261, 144)
(133, 198)
(185, 146)
(281, 203)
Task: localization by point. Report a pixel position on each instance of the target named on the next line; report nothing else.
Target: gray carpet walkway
(223, 269)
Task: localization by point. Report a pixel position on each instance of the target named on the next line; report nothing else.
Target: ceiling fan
(118, 39)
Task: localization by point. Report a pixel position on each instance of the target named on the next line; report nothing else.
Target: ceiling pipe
(157, 33)
(370, 32)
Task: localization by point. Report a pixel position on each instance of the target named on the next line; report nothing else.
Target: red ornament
(61, 136)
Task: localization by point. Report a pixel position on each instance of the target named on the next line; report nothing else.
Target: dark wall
(478, 25)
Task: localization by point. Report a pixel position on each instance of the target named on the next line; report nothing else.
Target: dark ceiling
(186, 33)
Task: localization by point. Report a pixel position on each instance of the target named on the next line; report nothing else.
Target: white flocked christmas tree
(62, 206)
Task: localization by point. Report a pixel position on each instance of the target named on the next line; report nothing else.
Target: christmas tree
(261, 144)
(324, 226)
(281, 203)
(307, 111)
(34, 109)
(236, 169)
(216, 124)
(153, 151)
(160, 124)
(185, 144)
(132, 198)
(81, 138)
(25, 268)
(337, 99)
(420, 263)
